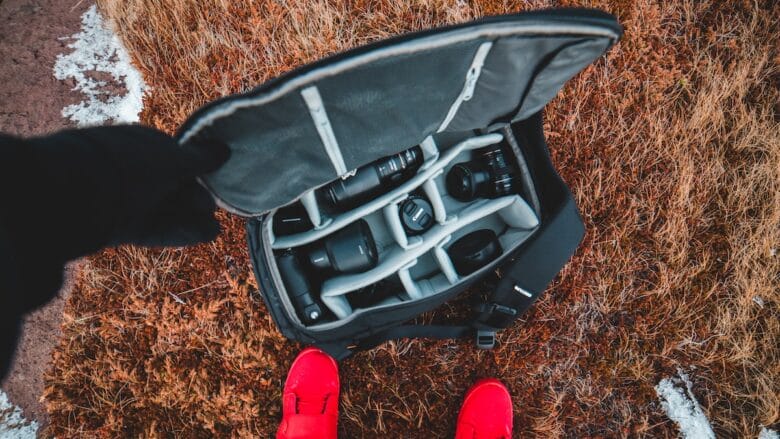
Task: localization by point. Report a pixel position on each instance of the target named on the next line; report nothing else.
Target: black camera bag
(447, 89)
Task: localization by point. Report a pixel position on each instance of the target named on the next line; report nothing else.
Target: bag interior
(411, 268)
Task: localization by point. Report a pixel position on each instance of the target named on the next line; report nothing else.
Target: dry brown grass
(671, 144)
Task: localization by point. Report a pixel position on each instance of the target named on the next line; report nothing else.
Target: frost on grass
(768, 434)
(98, 50)
(12, 423)
(681, 406)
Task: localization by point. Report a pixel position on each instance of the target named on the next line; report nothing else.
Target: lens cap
(416, 215)
(475, 250)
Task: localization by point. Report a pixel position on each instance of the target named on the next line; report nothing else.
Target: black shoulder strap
(528, 274)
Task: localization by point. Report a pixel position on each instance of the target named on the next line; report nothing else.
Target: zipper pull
(471, 82)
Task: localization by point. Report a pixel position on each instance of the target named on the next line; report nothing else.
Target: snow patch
(12, 423)
(681, 406)
(98, 49)
(768, 434)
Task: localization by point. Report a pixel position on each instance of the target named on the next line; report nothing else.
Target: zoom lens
(372, 179)
(350, 250)
(487, 176)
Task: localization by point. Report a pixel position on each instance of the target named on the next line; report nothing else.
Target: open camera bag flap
(451, 90)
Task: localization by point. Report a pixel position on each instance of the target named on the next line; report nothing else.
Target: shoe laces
(311, 406)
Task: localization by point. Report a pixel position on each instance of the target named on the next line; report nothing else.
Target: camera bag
(451, 92)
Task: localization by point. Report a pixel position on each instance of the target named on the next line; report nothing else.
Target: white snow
(12, 423)
(681, 406)
(98, 49)
(768, 434)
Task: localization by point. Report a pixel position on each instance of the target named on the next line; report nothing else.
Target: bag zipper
(472, 76)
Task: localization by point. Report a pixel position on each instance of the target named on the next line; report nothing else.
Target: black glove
(77, 191)
(74, 192)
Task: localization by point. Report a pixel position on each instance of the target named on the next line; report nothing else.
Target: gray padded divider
(309, 202)
(334, 289)
(434, 196)
(344, 219)
(411, 287)
(444, 260)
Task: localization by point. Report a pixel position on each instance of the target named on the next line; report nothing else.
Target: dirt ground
(31, 100)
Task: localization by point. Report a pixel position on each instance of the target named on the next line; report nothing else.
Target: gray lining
(493, 30)
(469, 84)
(383, 101)
(320, 117)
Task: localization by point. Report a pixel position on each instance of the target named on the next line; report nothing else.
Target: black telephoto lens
(487, 176)
(350, 250)
(416, 215)
(298, 288)
(372, 179)
(475, 250)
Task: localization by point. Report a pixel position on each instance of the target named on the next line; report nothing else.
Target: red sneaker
(310, 402)
(486, 412)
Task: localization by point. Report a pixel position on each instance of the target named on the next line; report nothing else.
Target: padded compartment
(415, 266)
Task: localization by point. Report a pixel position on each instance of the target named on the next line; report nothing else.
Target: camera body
(489, 175)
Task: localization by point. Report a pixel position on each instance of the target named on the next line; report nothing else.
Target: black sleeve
(74, 192)
(29, 276)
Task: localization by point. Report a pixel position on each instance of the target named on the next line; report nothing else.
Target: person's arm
(74, 192)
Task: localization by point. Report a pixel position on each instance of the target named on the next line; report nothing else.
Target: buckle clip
(490, 308)
(486, 339)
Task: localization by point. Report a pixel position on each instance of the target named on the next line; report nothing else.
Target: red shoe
(310, 402)
(486, 412)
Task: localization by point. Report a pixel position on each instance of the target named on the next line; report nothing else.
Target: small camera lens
(350, 250)
(291, 219)
(416, 215)
(474, 251)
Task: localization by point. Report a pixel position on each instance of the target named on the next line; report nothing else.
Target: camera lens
(350, 250)
(487, 176)
(291, 219)
(372, 179)
(464, 180)
(298, 288)
(416, 215)
(475, 250)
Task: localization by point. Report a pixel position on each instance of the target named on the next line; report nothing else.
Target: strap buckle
(488, 309)
(486, 339)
